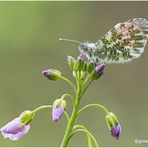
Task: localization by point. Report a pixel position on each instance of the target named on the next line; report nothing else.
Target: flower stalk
(72, 119)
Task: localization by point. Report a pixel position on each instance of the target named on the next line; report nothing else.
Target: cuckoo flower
(59, 106)
(14, 130)
(116, 131)
(57, 113)
(113, 125)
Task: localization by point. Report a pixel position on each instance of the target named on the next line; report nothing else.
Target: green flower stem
(67, 116)
(86, 79)
(85, 87)
(41, 107)
(88, 137)
(86, 131)
(77, 79)
(70, 83)
(73, 117)
(79, 92)
(70, 96)
(71, 123)
(93, 105)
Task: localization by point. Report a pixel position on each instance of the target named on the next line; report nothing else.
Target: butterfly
(124, 42)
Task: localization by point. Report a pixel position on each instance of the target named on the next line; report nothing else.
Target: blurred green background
(29, 33)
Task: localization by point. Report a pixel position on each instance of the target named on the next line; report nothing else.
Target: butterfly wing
(124, 42)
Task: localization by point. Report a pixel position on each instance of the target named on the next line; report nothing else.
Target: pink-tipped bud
(52, 74)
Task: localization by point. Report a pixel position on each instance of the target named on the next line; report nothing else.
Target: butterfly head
(86, 46)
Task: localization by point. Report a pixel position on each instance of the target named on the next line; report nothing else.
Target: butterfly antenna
(68, 40)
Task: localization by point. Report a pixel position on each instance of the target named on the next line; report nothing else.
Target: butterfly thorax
(89, 49)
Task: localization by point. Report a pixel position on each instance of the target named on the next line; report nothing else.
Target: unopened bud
(59, 106)
(71, 62)
(100, 68)
(91, 65)
(113, 125)
(80, 64)
(98, 72)
(52, 74)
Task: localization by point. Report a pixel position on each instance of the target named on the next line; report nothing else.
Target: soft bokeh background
(29, 33)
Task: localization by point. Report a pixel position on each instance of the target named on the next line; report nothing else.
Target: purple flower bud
(14, 130)
(57, 113)
(81, 56)
(51, 74)
(113, 125)
(116, 131)
(100, 68)
(98, 71)
(80, 63)
(47, 73)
